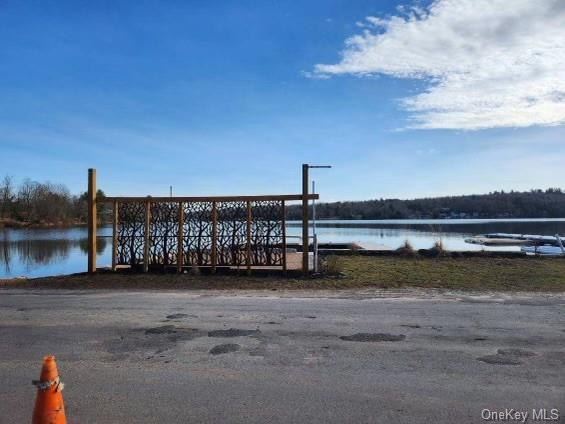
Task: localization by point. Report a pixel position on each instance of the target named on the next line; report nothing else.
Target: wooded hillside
(548, 203)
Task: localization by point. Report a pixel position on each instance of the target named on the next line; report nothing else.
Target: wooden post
(180, 241)
(248, 245)
(305, 232)
(213, 256)
(146, 236)
(283, 204)
(92, 220)
(115, 235)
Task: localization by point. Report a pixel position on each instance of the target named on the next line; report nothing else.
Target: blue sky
(231, 97)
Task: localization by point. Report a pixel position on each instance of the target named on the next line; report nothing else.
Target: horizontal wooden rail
(209, 199)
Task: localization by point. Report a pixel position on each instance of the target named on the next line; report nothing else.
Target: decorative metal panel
(131, 232)
(197, 234)
(231, 233)
(267, 233)
(163, 233)
(213, 233)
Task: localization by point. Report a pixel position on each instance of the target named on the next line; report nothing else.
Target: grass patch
(356, 271)
(471, 273)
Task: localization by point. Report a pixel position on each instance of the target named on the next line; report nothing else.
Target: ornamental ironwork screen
(246, 232)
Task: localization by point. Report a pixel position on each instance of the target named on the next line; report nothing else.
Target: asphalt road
(124, 361)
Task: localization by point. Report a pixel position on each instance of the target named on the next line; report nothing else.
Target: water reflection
(40, 252)
(31, 257)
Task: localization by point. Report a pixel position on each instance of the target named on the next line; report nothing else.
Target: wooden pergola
(239, 230)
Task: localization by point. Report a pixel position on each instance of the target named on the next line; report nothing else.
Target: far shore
(15, 224)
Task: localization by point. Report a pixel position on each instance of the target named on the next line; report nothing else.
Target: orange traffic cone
(49, 408)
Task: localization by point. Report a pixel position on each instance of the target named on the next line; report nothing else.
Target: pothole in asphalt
(224, 348)
(153, 341)
(232, 332)
(164, 329)
(516, 352)
(170, 333)
(411, 326)
(373, 337)
(177, 316)
(499, 360)
(554, 358)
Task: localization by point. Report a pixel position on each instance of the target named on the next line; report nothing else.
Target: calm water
(40, 252)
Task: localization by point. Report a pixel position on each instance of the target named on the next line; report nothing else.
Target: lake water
(41, 252)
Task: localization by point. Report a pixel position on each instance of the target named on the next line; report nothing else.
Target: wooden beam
(213, 253)
(248, 244)
(305, 220)
(146, 235)
(180, 241)
(115, 215)
(287, 197)
(284, 236)
(92, 220)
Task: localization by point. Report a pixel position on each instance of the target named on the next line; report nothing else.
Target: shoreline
(500, 274)
(13, 224)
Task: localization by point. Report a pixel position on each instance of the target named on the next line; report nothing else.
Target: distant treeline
(33, 202)
(46, 203)
(548, 203)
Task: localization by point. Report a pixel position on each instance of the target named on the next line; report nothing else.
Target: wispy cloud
(487, 63)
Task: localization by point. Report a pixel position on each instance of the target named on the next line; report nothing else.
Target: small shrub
(406, 249)
(438, 249)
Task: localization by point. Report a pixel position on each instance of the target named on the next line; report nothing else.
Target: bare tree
(49, 203)
(6, 196)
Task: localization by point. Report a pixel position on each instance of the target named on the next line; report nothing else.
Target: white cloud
(487, 63)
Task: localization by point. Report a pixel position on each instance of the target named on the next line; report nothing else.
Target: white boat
(531, 244)
(496, 241)
(543, 250)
